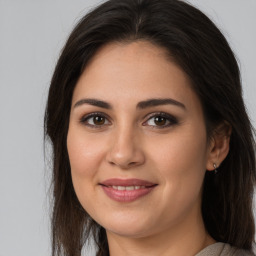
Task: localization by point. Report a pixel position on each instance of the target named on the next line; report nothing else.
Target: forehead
(138, 48)
(132, 71)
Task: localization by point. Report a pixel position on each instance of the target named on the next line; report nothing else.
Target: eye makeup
(156, 120)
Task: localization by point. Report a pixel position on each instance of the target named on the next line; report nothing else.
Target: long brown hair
(200, 49)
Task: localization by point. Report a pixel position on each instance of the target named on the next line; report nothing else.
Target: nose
(125, 150)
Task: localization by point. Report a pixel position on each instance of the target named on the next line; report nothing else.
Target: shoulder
(222, 249)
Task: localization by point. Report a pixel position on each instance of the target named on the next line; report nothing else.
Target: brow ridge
(157, 102)
(93, 102)
(141, 105)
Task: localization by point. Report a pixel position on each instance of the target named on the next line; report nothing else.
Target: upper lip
(127, 182)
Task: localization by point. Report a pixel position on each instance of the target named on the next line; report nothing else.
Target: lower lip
(126, 195)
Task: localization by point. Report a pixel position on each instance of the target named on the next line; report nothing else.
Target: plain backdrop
(32, 33)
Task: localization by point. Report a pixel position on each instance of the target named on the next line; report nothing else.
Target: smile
(126, 190)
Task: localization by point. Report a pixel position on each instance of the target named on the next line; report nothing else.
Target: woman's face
(137, 141)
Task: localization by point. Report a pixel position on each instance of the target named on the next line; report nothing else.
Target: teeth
(127, 187)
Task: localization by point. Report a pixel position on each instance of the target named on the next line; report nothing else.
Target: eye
(95, 120)
(161, 120)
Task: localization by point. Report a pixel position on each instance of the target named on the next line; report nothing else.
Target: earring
(215, 168)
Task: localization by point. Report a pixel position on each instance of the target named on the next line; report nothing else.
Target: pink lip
(126, 195)
(127, 182)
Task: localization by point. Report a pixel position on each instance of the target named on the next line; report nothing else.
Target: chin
(131, 232)
(133, 228)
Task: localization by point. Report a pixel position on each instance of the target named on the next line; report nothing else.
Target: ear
(218, 146)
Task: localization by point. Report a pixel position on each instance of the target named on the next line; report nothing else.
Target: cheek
(84, 156)
(180, 161)
(182, 150)
(84, 153)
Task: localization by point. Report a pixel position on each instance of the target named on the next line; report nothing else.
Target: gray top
(221, 249)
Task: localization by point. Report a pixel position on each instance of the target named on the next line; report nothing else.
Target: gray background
(32, 32)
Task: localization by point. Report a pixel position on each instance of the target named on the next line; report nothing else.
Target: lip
(127, 182)
(126, 195)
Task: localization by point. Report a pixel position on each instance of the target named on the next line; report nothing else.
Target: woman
(153, 151)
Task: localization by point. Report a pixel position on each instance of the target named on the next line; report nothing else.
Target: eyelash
(171, 120)
(84, 119)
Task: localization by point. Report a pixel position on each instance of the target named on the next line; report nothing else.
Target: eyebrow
(141, 105)
(158, 102)
(93, 102)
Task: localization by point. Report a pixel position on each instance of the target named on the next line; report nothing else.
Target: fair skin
(119, 136)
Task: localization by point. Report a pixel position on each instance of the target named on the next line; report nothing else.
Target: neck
(185, 239)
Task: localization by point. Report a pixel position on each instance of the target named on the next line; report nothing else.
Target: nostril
(124, 156)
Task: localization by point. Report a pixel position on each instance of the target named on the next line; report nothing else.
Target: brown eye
(99, 120)
(160, 120)
(95, 120)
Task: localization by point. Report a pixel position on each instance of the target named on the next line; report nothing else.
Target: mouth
(126, 190)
